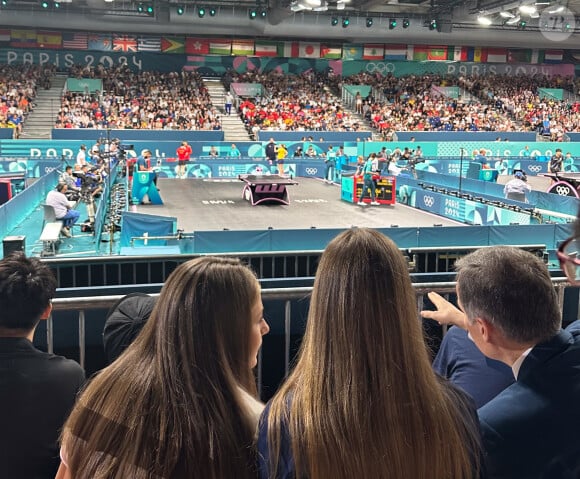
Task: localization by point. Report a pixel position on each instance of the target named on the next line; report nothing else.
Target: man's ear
(46, 313)
(486, 330)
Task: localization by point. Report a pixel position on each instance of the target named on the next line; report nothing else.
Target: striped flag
(197, 46)
(373, 52)
(459, 54)
(75, 41)
(173, 44)
(4, 37)
(553, 56)
(266, 49)
(288, 49)
(52, 40)
(395, 52)
(149, 44)
(243, 47)
(100, 42)
(220, 47)
(494, 55)
(23, 38)
(124, 43)
(331, 51)
(420, 53)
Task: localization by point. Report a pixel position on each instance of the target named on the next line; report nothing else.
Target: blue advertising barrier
(6, 133)
(91, 134)
(326, 136)
(465, 136)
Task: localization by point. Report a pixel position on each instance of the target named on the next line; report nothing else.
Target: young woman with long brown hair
(181, 400)
(362, 400)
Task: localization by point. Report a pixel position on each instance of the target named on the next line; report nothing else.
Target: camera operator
(90, 183)
(73, 192)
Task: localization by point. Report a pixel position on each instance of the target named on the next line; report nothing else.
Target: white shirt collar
(518, 363)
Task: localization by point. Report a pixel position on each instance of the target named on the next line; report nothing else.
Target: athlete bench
(50, 238)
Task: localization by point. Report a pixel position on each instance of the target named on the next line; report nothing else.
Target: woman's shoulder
(253, 406)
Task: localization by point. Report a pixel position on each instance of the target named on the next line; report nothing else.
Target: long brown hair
(171, 405)
(363, 400)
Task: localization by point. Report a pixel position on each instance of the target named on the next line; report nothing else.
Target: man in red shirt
(183, 155)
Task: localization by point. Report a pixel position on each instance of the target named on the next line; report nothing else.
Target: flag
(331, 51)
(75, 41)
(4, 37)
(124, 43)
(553, 56)
(373, 51)
(149, 44)
(288, 49)
(494, 55)
(477, 54)
(459, 53)
(23, 38)
(243, 47)
(420, 53)
(266, 49)
(519, 55)
(100, 42)
(352, 52)
(172, 44)
(197, 46)
(395, 52)
(437, 53)
(220, 47)
(46, 39)
(309, 50)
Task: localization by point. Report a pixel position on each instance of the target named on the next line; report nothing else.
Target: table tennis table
(564, 184)
(267, 189)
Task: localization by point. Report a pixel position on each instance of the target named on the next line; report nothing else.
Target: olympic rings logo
(311, 171)
(429, 201)
(380, 67)
(535, 168)
(562, 190)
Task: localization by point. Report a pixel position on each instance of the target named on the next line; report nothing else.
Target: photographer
(73, 192)
(91, 183)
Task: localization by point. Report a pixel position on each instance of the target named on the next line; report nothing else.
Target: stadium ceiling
(520, 23)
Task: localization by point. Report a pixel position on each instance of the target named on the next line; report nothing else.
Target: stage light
(522, 24)
(4, 3)
(150, 10)
(433, 25)
(56, 4)
(392, 23)
(406, 23)
(345, 22)
(200, 12)
(334, 21)
(212, 12)
(263, 13)
(369, 22)
(180, 10)
(253, 13)
(140, 8)
(44, 4)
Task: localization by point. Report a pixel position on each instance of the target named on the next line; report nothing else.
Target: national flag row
(206, 46)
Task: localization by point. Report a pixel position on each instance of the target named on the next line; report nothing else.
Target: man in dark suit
(510, 309)
(37, 389)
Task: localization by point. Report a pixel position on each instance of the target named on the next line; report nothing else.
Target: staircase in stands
(40, 121)
(232, 125)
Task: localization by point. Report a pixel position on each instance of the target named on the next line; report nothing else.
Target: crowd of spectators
(139, 100)
(488, 103)
(293, 103)
(18, 84)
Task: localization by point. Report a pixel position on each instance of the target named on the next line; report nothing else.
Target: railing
(81, 305)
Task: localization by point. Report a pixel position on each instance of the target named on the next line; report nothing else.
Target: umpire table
(268, 189)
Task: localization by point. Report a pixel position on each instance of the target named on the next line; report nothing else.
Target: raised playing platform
(215, 204)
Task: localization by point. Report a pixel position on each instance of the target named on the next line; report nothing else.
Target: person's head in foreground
(363, 400)
(508, 299)
(179, 402)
